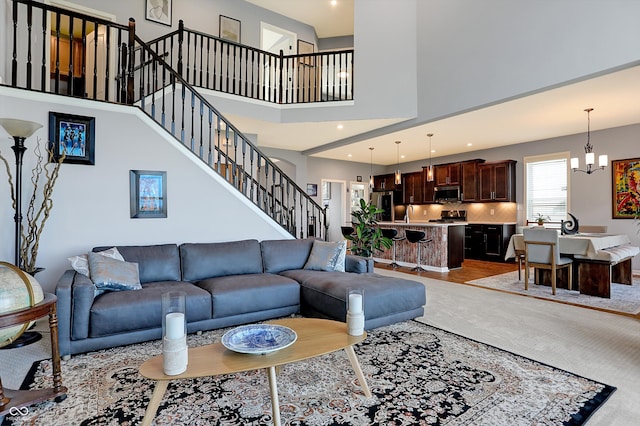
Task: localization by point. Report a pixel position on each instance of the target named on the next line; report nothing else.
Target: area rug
(624, 298)
(417, 374)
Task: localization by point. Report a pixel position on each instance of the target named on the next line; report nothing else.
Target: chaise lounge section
(226, 284)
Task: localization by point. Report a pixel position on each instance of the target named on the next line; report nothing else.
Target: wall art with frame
(229, 29)
(312, 189)
(626, 188)
(72, 136)
(148, 194)
(159, 11)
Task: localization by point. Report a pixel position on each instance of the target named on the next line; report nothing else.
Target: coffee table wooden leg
(158, 393)
(356, 367)
(273, 388)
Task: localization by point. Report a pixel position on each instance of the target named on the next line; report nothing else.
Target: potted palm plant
(367, 237)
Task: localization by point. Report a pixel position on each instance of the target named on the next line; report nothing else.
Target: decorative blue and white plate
(258, 338)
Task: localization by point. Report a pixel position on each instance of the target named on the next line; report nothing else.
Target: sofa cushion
(118, 312)
(113, 274)
(209, 260)
(155, 262)
(325, 292)
(236, 295)
(282, 255)
(324, 256)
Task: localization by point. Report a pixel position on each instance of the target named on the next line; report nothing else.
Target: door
(334, 199)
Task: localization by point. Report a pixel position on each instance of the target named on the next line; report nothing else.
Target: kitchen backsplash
(476, 212)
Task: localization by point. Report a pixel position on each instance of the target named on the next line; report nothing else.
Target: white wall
(91, 203)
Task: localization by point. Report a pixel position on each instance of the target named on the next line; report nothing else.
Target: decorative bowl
(258, 338)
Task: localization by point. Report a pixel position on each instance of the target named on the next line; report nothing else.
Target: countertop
(418, 223)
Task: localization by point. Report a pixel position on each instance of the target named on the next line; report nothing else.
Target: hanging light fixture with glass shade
(371, 169)
(398, 175)
(590, 157)
(430, 166)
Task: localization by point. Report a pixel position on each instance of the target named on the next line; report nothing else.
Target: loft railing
(143, 78)
(213, 63)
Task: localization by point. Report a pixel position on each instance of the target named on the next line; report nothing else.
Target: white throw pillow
(80, 263)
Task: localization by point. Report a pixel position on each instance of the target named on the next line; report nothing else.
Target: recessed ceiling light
(340, 126)
(350, 155)
(402, 156)
(469, 144)
(334, 2)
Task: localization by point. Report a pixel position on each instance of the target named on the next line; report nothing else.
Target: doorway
(272, 40)
(334, 198)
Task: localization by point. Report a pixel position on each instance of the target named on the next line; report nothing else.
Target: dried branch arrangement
(43, 175)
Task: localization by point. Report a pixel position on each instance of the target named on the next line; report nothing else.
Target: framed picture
(159, 11)
(229, 29)
(147, 194)
(305, 48)
(358, 178)
(326, 190)
(626, 188)
(312, 189)
(72, 136)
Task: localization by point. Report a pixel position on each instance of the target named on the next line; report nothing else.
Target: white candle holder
(174, 333)
(355, 311)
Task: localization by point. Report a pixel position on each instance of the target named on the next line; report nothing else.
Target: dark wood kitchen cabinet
(412, 188)
(385, 182)
(487, 241)
(497, 181)
(447, 174)
(428, 190)
(469, 180)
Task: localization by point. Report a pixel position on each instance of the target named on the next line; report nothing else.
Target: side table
(12, 399)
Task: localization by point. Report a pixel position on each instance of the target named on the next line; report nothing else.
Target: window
(546, 179)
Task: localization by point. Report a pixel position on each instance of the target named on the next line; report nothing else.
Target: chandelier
(590, 157)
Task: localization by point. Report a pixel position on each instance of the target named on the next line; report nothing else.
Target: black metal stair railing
(213, 63)
(114, 65)
(187, 115)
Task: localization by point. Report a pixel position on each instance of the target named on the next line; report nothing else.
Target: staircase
(152, 79)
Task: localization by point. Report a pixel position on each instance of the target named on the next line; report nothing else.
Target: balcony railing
(221, 65)
(108, 62)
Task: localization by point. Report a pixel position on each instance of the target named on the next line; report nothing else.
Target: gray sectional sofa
(226, 284)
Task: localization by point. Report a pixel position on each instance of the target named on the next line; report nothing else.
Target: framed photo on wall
(148, 194)
(72, 136)
(159, 11)
(626, 188)
(312, 189)
(229, 29)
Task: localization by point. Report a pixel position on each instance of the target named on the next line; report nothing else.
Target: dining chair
(541, 250)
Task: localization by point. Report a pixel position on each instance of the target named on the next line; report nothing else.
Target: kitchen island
(444, 252)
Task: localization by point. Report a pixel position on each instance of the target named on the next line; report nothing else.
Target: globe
(14, 295)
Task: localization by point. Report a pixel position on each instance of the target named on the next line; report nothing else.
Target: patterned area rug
(624, 298)
(418, 375)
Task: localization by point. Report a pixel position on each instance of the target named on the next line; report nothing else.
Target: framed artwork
(358, 178)
(305, 48)
(159, 11)
(312, 189)
(626, 188)
(229, 29)
(72, 136)
(326, 190)
(147, 194)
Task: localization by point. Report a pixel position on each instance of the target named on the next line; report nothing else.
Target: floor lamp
(20, 130)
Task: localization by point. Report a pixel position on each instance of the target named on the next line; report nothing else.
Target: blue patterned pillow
(324, 256)
(113, 274)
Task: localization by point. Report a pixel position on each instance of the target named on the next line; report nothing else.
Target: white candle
(355, 303)
(175, 325)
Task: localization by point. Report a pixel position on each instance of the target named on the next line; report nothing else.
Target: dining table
(583, 244)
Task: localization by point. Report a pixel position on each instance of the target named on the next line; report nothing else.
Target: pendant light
(371, 170)
(398, 175)
(430, 166)
(590, 157)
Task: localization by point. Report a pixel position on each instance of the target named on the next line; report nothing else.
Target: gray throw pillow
(113, 274)
(323, 256)
(81, 262)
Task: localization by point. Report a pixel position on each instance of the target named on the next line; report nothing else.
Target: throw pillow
(323, 256)
(341, 258)
(113, 274)
(80, 263)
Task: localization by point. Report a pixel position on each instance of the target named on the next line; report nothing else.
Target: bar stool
(417, 237)
(392, 234)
